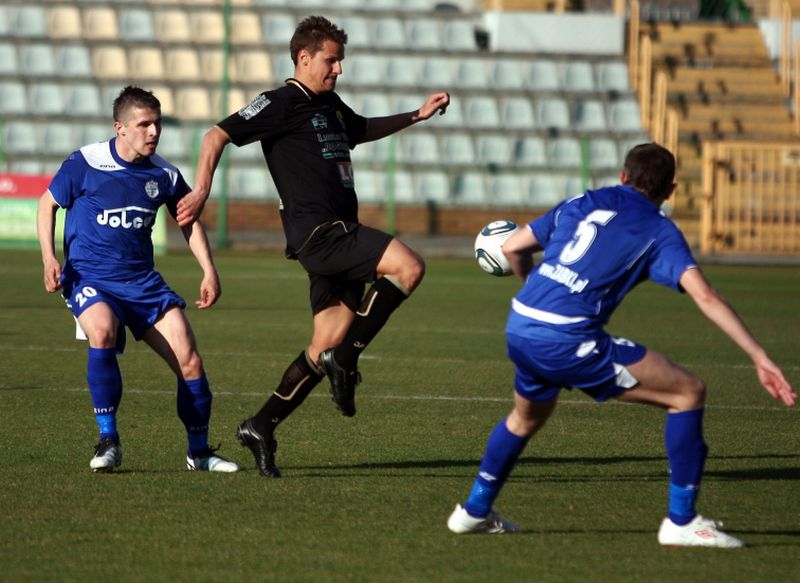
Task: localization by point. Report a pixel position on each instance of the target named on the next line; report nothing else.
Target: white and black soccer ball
(488, 245)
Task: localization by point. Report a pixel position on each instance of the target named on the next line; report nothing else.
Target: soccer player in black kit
(306, 133)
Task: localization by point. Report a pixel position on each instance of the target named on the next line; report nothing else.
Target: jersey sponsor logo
(254, 107)
(565, 276)
(127, 217)
(320, 122)
(151, 188)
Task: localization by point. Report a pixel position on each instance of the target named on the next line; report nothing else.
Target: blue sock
(686, 451)
(194, 409)
(502, 451)
(105, 388)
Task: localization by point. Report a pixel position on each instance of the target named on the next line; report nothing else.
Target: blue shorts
(137, 303)
(596, 366)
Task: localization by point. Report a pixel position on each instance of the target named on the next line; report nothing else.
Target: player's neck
(128, 154)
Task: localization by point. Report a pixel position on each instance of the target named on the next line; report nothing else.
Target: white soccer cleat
(700, 532)
(107, 455)
(208, 461)
(460, 522)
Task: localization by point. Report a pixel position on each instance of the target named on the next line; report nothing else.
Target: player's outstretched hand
(52, 275)
(772, 379)
(189, 208)
(210, 291)
(436, 102)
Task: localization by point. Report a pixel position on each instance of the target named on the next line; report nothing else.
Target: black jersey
(306, 139)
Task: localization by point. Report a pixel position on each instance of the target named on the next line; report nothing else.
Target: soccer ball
(488, 245)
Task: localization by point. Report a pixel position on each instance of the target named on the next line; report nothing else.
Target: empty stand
(64, 23)
(73, 61)
(83, 100)
(27, 21)
(432, 186)
(136, 24)
(458, 148)
(37, 60)
(100, 23)
(146, 63)
(109, 62)
(172, 26)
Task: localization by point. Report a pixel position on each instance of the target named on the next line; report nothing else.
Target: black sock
(298, 381)
(380, 301)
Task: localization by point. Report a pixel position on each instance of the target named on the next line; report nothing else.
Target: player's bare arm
(519, 250)
(191, 206)
(210, 288)
(717, 309)
(45, 226)
(380, 127)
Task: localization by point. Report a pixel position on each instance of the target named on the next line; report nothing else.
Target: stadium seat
(73, 61)
(236, 101)
(404, 188)
(21, 137)
(624, 116)
(83, 99)
(552, 113)
(418, 147)
(457, 148)
(37, 60)
(453, 118)
(436, 72)
(494, 149)
(9, 65)
(251, 183)
(100, 23)
(58, 139)
(471, 73)
(603, 154)
(565, 152)
(182, 64)
(172, 26)
(482, 112)
(278, 28)
(573, 186)
(578, 76)
(459, 35)
(402, 71)
(590, 115)
(364, 70)
(206, 27)
(507, 74)
(432, 186)
(173, 145)
(193, 104)
(370, 185)
(358, 31)
(46, 98)
(245, 29)
(91, 133)
(612, 76)
(13, 98)
(109, 62)
(210, 65)
(388, 33)
(272, 3)
(282, 67)
(374, 105)
(64, 23)
(136, 24)
(164, 95)
(424, 34)
(469, 188)
(506, 189)
(545, 190)
(543, 76)
(517, 113)
(146, 62)
(251, 153)
(253, 66)
(27, 21)
(530, 151)
(32, 167)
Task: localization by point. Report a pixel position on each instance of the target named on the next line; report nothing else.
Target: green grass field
(366, 499)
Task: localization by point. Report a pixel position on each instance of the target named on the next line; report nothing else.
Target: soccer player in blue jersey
(597, 247)
(112, 191)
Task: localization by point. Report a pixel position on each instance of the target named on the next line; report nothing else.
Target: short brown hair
(131, 97)
(311, 33)
(651, 169)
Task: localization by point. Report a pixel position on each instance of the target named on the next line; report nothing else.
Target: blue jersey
(111, 207)
(597, 247)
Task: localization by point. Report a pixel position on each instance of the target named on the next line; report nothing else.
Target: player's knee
(413, 272)
(694, 392)
(192, 366)
(101, 336)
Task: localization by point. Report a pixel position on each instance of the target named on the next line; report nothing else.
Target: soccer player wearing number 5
(597, 247)
(112, 191)
(306, 133)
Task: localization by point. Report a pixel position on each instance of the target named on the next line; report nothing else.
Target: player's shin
(383, 298)
(105, 388)
(297, 382)
(502, 451)
(194, 410)
(686, 451)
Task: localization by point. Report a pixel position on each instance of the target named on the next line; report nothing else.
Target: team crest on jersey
(151, 188)
(320, 122)
(254, 107)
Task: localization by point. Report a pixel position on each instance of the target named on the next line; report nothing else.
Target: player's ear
(623, 177)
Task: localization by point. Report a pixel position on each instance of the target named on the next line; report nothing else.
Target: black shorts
(341, 258)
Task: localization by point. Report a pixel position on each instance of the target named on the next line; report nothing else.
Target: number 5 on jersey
(584, 236)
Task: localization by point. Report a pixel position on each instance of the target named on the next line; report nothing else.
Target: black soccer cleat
(343, 383)
(263, 448)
